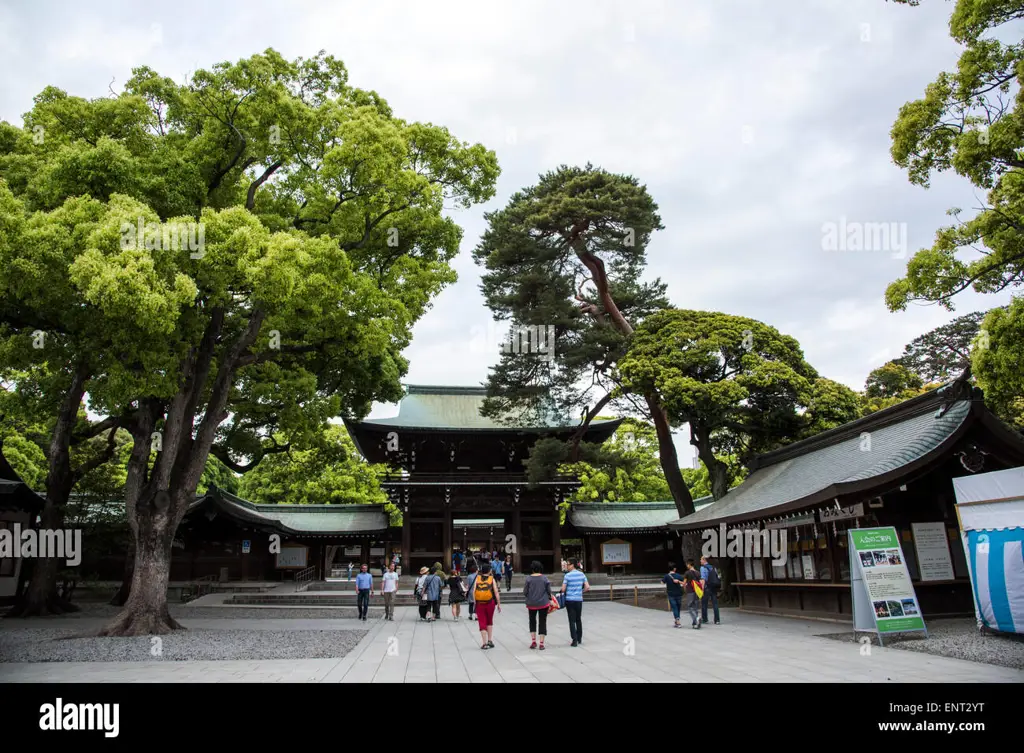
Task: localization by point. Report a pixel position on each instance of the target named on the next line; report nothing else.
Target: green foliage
(997, 361)
(741, 385)
(329, 472)
(699, 479)
(942, 354)
(540, 253)
(217, 474)
(325, 239)
(969, 121)
(623, 469)
(892, 380)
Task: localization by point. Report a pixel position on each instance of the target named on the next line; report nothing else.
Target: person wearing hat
(420, 595)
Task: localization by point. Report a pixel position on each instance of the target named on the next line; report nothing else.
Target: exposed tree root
(133, 623)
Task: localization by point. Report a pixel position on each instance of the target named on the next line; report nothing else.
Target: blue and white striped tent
(990, 507)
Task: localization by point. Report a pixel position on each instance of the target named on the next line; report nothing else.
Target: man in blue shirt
(364, 584)
(574, 585)
(496, 569)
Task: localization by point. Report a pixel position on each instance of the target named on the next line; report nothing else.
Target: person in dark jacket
(508, 573)
(538, 600)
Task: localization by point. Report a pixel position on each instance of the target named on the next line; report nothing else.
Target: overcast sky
(751, 126)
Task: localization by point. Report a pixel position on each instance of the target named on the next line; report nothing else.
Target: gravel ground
(60, 645)
(184, 612)
(64, 638)
(954, 638)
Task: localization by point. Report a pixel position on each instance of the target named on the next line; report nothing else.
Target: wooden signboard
(616, 552)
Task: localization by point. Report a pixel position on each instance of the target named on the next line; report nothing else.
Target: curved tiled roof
(626, 517)
(447, 407)
(866, 450)
(297, 520)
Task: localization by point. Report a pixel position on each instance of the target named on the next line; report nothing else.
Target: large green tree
(568, 254)
(741, 386)
(322, 239)
(971, 121)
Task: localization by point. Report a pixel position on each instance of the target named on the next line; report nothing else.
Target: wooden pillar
(406, 541)
(446, 539)
(517, 531)
(556, 534)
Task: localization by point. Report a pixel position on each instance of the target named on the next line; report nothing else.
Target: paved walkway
(621, 644)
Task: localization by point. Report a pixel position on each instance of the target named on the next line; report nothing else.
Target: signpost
(933, 559)
(883, 595)
(246, 546)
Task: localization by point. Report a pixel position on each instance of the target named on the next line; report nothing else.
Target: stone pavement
(621, 644)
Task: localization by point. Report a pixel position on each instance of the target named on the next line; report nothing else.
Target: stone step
(313, 599)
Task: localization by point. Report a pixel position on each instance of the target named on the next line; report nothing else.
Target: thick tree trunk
(41, 597)
(121, 597)
(718, 472)
(669, 458)
(145, 612)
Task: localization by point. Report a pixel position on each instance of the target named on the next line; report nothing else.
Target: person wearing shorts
(485, 594)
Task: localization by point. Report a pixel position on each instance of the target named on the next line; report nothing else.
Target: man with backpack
(485, 596)
(709, 574)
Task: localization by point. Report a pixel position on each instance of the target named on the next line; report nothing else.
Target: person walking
(485, 594)
(435, 603)
(574, 585)
(537, 592)
(496, 569)
(389, 590)
(364, 585)
(421, 594)
(471, 573)
(508, 573)
(709, 574)
(674, 587)
(692, 578)
(456, 594)
(432, 586)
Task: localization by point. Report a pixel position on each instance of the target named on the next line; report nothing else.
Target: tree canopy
(314, 238)
(969, 121)
(568, 254)
(742, 386)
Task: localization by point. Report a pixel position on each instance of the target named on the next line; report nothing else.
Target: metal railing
(304, 578)
(197, 587)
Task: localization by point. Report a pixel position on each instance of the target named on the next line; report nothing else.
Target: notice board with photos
(884, 600)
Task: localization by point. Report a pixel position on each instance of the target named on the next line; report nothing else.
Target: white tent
(990, 507)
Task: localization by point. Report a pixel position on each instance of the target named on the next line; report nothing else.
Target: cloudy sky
(751, 126)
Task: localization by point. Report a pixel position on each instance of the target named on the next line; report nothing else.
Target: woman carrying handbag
(539, 599)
